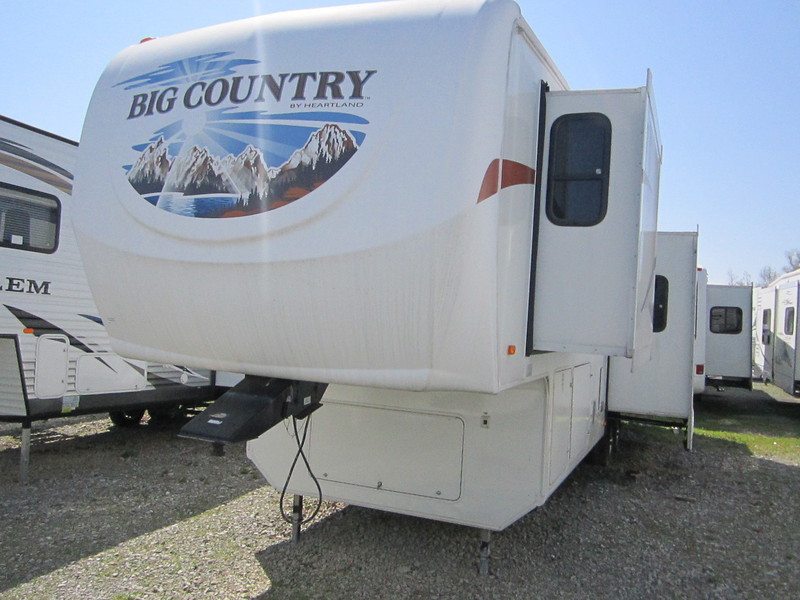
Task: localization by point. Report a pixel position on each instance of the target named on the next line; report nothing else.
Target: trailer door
(729, 336)
(594, 273)
(785, 371)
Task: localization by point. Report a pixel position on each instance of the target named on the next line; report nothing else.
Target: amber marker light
(28, 330)
(512, 350)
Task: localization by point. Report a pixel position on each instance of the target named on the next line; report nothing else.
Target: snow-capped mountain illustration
(312, 165)
(197, 172)
(327, 145)
(249, 171)
(258, 186)
(150, 170)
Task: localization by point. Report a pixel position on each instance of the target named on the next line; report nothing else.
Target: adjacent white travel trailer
(777, 354)
(700, 327)
(423, 223)
(786, 350)
(763, 332)
(55, 357)
(660, 388)
(729, 337)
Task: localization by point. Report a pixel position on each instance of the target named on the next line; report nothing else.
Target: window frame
(9, 190)
(660, 311)
(740, 318)
(556, 161)
(788, 320)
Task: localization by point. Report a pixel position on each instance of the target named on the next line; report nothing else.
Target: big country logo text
(208, 80)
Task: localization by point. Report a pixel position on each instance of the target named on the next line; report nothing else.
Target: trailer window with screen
(788, 321)
(726, 319)
(28, 219)
(577, 183)
(661, 297)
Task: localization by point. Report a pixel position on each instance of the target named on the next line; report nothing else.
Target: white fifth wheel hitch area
(253, 406)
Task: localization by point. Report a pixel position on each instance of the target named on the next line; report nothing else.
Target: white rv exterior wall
(661, 385)
(700, 327)
(764, 332)
(786, 351)
(574, 263)
(382, 247)
(775, 340)
(405, 274)
(727, 354)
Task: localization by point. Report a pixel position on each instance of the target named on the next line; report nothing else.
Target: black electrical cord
(300, 452)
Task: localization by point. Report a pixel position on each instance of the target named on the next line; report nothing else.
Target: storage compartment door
(52, 357)
(420, 453)
(583, 403)
(103, 373)
(560, 424)
(594, 273)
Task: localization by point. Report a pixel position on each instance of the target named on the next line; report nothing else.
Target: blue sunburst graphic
(188, 70)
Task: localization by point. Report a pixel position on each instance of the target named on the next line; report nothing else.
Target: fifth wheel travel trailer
(777, 332)
(397, 209)
(55, 357)
(659, 388)
(729, 337)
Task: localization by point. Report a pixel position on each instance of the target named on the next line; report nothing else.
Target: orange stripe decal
(490, 180)
(502, 174)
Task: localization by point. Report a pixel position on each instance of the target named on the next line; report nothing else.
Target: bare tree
(766, 276)
(744, 279)
(793, 258)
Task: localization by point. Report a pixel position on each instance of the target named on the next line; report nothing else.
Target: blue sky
(726, 77)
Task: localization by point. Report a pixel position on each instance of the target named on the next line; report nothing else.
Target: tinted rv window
(788, 321)
(577, 184)
(660, 311)
(726, 319)
(28, 219)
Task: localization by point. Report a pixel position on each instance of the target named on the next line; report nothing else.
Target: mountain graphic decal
(236, 165)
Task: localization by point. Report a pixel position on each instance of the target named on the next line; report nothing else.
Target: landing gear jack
(25, 452)
(297, 517)
(485, 552)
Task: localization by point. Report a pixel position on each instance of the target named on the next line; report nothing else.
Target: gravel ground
(138, 513)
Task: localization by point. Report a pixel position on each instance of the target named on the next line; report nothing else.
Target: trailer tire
(167, 415)
(126, 418)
